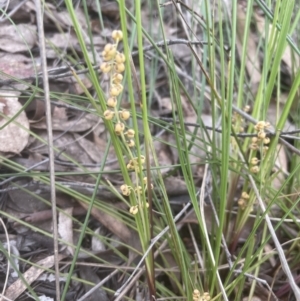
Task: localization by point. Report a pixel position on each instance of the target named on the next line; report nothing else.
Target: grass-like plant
(245, 206)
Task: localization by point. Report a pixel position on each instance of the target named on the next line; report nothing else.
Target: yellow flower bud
(120, 87)
(242, 204)
(267, 140)
(142, 159)
(105, 67)
(117, 78)
(119, 58)
(261, 134)
(110, 50)
(125, 189)
(106, 56)
(117, 35)
(138, 190)
(119, 128)
(119, 68)
(114, 91)
(245, 195)
(265, 149)
(131, 143)
(129, 166)
(112, 102)
(254, 161)
(134, 210)
(124, 115)
(247, 109)
(108, 114)
(254, 139)
(130, 133)
(254, 169)
(260, 126)
(196, 295)
(253, 146)
(108, 47)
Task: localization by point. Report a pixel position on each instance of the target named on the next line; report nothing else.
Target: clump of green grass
(223, 263)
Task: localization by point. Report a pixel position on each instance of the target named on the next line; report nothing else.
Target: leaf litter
(80, 141)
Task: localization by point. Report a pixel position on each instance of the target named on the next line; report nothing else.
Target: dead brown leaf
(65, 228)
(14, 136)
(19, 286)
(80, 124)
(17, 38)
(14, 65)
(114, 225)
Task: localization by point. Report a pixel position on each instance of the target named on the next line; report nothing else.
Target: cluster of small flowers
(261, 136)
(243, 201)
(254, 165)
(126, 190)
(238, 121)
(198, 297)
(133, 164)
(135, 209)
(114, 65)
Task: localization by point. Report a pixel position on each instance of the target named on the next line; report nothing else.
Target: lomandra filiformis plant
(135, 184)
(114, 66)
